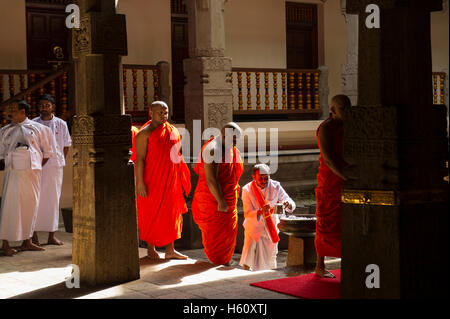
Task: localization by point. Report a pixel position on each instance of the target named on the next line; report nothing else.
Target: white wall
(255, 33)
(148, 30)
(13, 35)
(256, 36)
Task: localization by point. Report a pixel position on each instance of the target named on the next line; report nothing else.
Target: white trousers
(48, 212)
(20, 199)
(260, 255)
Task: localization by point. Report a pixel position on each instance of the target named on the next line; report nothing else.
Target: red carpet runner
(308, 286)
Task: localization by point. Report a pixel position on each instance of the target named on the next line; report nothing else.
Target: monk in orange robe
(161, 176)
(219, 168)
(330, 137)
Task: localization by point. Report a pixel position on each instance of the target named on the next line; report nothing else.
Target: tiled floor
(42, 275)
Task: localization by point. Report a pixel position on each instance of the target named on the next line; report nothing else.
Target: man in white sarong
(52, 173)
(259, 251)
(25, 147)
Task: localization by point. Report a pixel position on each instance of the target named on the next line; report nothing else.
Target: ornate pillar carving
(208, 95)
(395, 210)
(104, 213)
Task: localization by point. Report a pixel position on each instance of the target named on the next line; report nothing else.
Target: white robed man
(259, 251)
(52, 173)
(25, 147)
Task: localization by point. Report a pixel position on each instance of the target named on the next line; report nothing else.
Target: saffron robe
(219, 229)
(159, 214)
(328, 197)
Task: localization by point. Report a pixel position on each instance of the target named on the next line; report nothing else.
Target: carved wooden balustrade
(29, 84)
(272, 92)
(439, 87)
(141, 87)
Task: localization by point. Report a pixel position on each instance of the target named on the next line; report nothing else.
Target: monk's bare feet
(323, 273)
(28, 245)
(175, 255)
(52, 240)
(153, 254)
(245, 267)
(10, 251)
(35, 239)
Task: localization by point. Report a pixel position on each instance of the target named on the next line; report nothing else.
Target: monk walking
(161, 181)
(219, 168)
(330, 136)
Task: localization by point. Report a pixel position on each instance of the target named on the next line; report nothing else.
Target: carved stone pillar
(208, 95)
(104, 213)
(395, 211)
(350, 69)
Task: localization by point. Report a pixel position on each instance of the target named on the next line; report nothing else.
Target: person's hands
(142, 190)
(266, 209)
(222, 207)
(287, 205)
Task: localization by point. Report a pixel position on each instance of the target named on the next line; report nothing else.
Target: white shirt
(37, 136)
(274, 194)
(62, 138)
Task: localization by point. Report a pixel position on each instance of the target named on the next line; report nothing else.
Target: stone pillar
(395, 211)
(324, 91)
(105, 245)
(208, 95)
(164, 81)
(350, 69)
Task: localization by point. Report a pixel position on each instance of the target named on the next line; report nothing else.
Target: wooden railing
(275, 91)
(142, 86)
(439, 87)
(29, 84)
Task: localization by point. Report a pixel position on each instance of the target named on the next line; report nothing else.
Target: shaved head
(158, 104)
(236, 129)
(159, 112)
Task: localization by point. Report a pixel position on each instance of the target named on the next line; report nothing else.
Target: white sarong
(20, 198)
(48, 211)
(259, 255)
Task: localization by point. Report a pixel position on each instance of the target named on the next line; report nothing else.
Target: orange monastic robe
(159, 214)
(219, 229)
(328, 197)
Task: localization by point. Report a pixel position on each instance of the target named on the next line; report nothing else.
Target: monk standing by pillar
(330, 136)
(161, 180)
(219, 168)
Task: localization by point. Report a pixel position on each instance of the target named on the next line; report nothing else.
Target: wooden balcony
(275, 94)
(30, 84)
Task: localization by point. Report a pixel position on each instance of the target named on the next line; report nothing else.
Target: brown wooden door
(301, 36)
(46, 30)
(180, 51)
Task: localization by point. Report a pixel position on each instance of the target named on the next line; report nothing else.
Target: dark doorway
(48, 48)
(47, 35)
(180, 51)
(301, 36)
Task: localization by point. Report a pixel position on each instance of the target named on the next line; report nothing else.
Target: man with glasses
(52, 173)
(259, 198)
(25, 147)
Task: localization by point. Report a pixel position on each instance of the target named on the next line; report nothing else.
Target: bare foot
(54, 241)
(10, 252)
(35, 239)
(245, 267)
(175, 255)
(323, 273)
(153, 254)
(28, 245)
